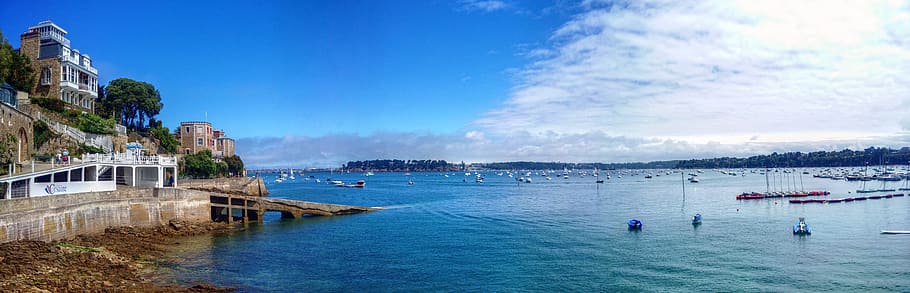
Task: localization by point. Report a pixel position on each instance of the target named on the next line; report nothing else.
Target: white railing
(76, 61)
(128, 158)
(103, 142)
(55, 36)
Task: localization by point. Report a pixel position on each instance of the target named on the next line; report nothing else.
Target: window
(199, 141)
(46, 76)
(187, 129)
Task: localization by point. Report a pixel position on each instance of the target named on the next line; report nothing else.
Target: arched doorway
(22, 149)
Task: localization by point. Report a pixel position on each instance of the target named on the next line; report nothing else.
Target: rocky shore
(122, 259)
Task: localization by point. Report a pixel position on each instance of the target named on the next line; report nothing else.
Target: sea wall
(250, 186)
(65, 216)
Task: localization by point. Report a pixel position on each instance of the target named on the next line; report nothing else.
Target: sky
(319, 83)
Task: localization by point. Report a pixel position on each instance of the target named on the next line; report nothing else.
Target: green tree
(234, 165)
(164, 137)
(132, 102)
(200, 165)
(15, 69)
(7, 151)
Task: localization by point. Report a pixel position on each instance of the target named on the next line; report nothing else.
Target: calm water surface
(442, 234)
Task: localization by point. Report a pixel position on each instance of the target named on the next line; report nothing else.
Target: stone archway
(22, 149)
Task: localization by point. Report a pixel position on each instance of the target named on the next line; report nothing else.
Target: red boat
(750, 196)
(819, 193)
(848, 199)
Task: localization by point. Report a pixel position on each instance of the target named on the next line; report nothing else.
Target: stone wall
(235, 185)
(65, 216)
(19, 125)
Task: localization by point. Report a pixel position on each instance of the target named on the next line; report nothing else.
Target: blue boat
(696, 220)
(801, 228)
(634, 224)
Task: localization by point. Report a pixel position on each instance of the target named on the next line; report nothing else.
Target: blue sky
(307, 83)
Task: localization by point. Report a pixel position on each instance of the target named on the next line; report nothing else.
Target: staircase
(101, 141)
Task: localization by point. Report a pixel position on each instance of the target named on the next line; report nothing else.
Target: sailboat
(865, 175)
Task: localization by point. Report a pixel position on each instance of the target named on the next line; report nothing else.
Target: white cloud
(703, 71)
(657, 80)
(482, 5)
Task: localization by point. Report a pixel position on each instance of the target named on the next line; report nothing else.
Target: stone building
(62, 72)
(195, 136)
(15, 126)
(224, 145)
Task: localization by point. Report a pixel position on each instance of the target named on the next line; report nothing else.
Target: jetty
(230, 207)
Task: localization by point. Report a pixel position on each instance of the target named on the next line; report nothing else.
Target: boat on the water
(634, 224)
(359, 184)
(696, 220)
(693, 179)
(895, 232)
(801, 228)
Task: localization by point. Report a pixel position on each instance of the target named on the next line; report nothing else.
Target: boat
(359, 184)
(895, 232)
(696, 220)
(368, 173)
(801, 228)
(648, 176)
(410, 181)
(693, 179)
(336, 182)
(599, 181)
(750, 196)
(634, 224)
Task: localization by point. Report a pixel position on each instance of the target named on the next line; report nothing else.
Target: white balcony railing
(69, 84)
(74, 60)
(55, 36)
(129, 158)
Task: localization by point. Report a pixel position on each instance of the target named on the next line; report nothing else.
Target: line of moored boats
(848, 199)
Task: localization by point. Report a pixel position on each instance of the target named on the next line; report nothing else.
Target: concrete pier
(231, 207)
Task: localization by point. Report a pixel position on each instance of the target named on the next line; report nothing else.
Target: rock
(108, 284)
(176, 225)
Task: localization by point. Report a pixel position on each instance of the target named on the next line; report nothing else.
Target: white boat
(369, 174)
(693, 179)
(895, 232)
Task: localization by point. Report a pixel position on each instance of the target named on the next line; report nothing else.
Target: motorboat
(359, 184)
(693, 179)
(634, 224)
(801, 228)
(696, 220)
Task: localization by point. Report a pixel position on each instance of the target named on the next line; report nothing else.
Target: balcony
(85, 89)
(56, 37)
(74, 60)
(68, 84)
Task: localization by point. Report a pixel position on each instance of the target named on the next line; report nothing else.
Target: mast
(767, 184)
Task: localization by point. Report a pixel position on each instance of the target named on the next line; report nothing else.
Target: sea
(448, 233)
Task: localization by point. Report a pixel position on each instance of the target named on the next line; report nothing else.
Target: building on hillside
(15, 125)
(62, 72)
(195, 136)
(224, 146)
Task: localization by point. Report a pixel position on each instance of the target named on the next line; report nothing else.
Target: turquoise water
(442, 234)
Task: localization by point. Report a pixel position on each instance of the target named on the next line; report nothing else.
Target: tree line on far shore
(400, 166)
(845, 158)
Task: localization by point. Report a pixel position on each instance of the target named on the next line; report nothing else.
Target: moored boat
(801, 228)
(696, 220)
(634, 224)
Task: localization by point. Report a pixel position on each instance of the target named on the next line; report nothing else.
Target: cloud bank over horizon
(657, 80)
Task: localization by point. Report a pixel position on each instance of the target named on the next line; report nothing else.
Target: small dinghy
(895, 232)
(801, 228)
(634, 224)
(696, 220)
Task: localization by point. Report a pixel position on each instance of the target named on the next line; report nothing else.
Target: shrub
(42, 133)
(54, 105)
